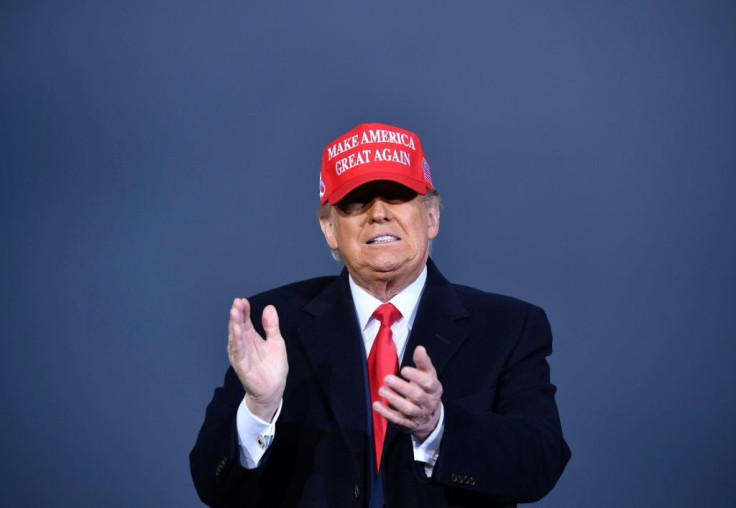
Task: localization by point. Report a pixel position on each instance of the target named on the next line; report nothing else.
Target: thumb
(421, 359)
(270, 321)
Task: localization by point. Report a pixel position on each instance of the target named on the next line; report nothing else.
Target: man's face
(382, 230)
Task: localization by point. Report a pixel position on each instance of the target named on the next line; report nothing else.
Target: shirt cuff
(429, 450)
(254, 435)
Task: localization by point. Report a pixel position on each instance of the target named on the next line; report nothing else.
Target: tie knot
(387, 314)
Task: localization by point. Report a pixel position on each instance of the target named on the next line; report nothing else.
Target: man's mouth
(383, 239)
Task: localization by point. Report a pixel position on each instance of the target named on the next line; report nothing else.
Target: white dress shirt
(256, 435)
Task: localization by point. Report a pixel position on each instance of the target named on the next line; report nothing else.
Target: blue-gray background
(160, 158)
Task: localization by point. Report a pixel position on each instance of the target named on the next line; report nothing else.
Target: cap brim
(342, 191)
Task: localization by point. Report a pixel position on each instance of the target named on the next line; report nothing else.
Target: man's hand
(415, 400)
(261, 365)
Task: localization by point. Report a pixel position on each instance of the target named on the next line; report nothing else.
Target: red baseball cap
(369, 152)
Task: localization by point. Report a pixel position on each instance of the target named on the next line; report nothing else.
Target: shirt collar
(406, 301)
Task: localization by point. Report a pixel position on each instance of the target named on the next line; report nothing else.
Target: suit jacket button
(221, 466)
(356, 490)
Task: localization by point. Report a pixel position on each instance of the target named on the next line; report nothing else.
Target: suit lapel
(435, 326)
(333, 344)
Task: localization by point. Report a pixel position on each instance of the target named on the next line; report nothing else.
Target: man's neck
(406, 301)
(385, 290)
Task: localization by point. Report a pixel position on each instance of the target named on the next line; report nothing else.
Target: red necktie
(382, 361)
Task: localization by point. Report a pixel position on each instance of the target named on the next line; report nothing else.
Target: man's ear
(433, 221)
(328, 229)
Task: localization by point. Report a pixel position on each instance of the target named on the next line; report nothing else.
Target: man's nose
(380, 210)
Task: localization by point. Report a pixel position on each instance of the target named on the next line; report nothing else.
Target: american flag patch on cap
(427, 171)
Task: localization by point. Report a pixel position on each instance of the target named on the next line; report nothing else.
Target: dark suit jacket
(502, 442)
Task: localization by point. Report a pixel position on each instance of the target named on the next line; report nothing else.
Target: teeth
(383, 239)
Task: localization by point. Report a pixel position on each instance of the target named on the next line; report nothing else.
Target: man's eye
(351, 207)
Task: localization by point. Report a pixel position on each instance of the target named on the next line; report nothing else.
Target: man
(313, 411)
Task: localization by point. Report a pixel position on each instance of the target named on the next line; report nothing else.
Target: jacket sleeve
(218, 476)
(506, 441)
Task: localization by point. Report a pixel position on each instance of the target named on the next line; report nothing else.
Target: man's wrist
(427, 450)
(263, 410)
(254, 435)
